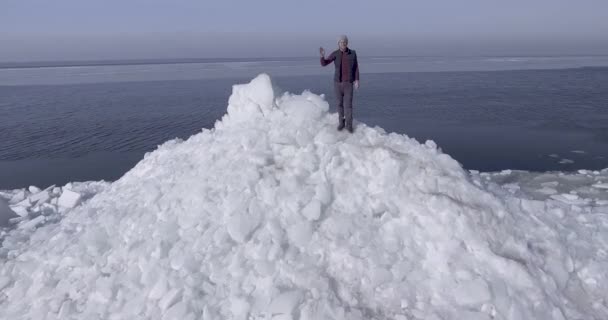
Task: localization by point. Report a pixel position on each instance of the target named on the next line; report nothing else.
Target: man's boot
(341, 125)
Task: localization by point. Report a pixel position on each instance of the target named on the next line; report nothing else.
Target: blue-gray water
(71, 123)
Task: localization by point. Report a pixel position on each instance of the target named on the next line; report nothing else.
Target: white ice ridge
(273, 214)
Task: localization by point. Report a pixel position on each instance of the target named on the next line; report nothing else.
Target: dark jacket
(353, 65)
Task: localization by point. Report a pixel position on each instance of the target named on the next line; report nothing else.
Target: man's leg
(348, 104)
(340, 100)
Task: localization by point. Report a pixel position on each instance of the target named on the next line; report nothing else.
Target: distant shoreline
(120, 62)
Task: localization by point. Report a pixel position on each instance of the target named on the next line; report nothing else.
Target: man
(346, 77)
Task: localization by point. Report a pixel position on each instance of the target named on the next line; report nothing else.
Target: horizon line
(144, 61)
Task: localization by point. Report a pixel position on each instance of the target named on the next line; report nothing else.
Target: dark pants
(344, 95)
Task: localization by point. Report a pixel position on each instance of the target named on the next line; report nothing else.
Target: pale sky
(133, 29)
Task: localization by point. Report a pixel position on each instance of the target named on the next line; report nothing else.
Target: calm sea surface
(66, 122)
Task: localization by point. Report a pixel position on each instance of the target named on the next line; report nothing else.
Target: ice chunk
(323, 193)
(170, 299)
(472, 293)
(557, 314)
(239, 228)
(552, 184)
(66, 310)
(159, 289)
(511, 187)
(285, 303)
(300, 233)
(570, 199)
(6, 213)
(239, 308)
(533, 205)
(32, 223)
(26, 203)
(18, 197)
(69, 199)
(380, 275)
(601, 185)
(40, 197)
(178, 312)
(547, 191)
(312, 211)
(4, 281)
(251, 100)
(34, 189)
(19, 210)
(47, 208)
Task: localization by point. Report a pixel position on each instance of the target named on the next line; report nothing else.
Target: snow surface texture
(273, 214)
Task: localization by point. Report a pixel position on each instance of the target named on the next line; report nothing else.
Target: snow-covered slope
(273, 214)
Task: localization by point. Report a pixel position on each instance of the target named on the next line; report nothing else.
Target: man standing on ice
(346, 77)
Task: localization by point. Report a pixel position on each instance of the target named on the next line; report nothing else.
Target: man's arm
(329, 59)
(356, 73)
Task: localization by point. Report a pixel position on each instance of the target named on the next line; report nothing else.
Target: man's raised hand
(322, 52)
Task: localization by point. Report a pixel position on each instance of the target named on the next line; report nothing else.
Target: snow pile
(273, 214)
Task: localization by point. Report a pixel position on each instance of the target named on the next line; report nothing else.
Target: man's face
(342, 44)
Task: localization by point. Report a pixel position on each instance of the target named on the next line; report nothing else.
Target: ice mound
(273, 214)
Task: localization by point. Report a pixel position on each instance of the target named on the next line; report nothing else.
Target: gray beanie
(343, 37)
